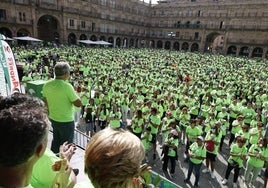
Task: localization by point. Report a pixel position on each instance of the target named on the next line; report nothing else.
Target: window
(196, 35)
(23, 17)
(20, 16)
(3, 15)
(221, 24)
(199, 13)
(93, 25)
(71, 22)
(83, 24)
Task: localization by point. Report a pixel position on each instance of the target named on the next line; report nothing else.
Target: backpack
(210, 146)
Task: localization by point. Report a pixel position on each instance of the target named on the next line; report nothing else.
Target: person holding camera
(238, 154)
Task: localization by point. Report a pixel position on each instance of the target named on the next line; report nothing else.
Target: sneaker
(212, 175)
(224, 181)
(234, 185)
(206, 170)
(196, 185)
(172, 176)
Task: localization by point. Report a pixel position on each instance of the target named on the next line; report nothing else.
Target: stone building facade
(229, 27)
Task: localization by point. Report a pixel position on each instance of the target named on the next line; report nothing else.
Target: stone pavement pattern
(181, 169)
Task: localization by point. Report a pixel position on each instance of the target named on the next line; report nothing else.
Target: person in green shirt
(137, 123)
(146, 139)
(154, 122)
(170, 151)
(60, 98)
(258, 155)
(213, 136)
(197, 153)
(238, 154)
(236, 127)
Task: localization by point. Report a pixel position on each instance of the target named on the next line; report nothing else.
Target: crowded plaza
(213, 96)
(206, 113)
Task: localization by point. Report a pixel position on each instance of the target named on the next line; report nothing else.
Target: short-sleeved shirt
(198, 151)
(60, 96)
(155, 120)
(254, 161)
(192, 133)
(235, 149)
(43, 175)
(146, 140)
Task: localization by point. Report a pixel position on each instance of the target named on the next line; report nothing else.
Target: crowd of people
(175, 99)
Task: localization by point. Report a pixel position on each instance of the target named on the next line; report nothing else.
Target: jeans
(62, 132)
(255, 170)
(172, 162)
(196, 168)
(228, 171)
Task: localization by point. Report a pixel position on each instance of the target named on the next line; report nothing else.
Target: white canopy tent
(87, 41)
(102, 42)
(27, 38)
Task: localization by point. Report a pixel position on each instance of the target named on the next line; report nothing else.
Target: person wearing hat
(197, 153)
(170, 151)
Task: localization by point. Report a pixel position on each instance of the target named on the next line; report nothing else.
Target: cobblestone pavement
(181, 169)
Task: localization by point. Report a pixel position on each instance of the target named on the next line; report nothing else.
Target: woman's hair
(113, 158)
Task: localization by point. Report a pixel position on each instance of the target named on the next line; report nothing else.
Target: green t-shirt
(235, 149)
(198, 151)
(137, 124)
(254, 160)
(193, 133)
(156, 121)
(60, 96)
(146, 139)
(43, 175)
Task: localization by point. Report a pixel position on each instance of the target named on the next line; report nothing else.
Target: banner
(8, 66)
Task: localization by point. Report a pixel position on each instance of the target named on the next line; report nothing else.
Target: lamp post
(171, 35)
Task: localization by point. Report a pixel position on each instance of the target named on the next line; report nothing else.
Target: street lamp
(171, 35)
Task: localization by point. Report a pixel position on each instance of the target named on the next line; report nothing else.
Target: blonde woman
(113, 159)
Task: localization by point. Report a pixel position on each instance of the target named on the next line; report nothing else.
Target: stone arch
(194, 47)
(72, 39)
(244, 51)
(111, 40)
(214, 42)
(131, 43)
(185, 46)
(93, 38)
(176, 46)
(125, 42)
(102, 37)
(20, 33)
(231, 50)
(159, 44)
(83, 37)
(257, 52)
(152, 44)
(6, 32)
(118, 42)
(167, 45)
(48, 28)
